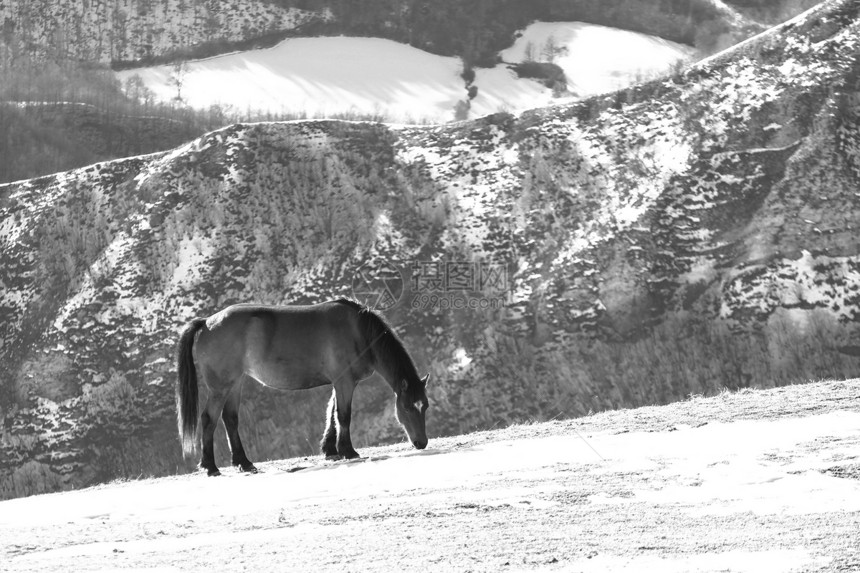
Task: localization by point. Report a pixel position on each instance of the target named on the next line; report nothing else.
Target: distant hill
(682, 236)
(151, 31)
(43, 62)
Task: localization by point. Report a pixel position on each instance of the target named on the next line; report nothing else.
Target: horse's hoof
(210, 470)
(350, 455)
(333, 457)
(247, 468)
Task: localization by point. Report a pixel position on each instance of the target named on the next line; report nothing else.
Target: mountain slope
(682, 236)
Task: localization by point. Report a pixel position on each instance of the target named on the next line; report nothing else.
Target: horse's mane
(385, 347)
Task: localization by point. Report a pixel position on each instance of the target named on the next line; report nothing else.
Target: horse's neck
(392, 362)
(389, 373)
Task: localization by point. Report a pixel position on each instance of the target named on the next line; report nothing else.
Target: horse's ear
(426, 379)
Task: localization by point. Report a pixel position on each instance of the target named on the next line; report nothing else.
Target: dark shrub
(468, 74)
(550, 75)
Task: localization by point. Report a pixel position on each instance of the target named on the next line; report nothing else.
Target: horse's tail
(186, 387)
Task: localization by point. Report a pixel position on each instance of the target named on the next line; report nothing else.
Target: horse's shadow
(330, 464)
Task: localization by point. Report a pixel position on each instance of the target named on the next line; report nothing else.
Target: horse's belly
(284, 377)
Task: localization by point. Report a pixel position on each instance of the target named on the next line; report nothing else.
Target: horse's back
(289, 347)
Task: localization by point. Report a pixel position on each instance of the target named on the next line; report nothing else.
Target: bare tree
(177, 78)
(529, 52)
(551, 49)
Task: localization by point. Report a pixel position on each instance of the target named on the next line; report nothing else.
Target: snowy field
(597, 59)
(753, 481)
(324, 77)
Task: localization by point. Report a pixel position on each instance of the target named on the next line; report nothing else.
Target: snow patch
(192, 252)
(327, 77)
(597, 59)
(320, 77)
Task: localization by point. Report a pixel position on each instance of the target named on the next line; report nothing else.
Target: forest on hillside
(147, 31)
(56, 116)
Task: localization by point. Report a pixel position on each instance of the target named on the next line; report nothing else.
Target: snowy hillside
(754, 481)
(598, 59)
(330, 77)
(691, 234)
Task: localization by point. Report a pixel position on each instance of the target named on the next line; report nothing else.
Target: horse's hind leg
(328, 444)
(230, 415)
(208, 423)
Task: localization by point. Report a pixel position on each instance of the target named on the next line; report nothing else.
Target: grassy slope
(738, 482)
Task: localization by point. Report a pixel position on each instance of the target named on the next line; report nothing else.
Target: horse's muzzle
(419, 444)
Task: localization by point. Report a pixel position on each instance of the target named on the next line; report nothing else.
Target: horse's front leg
(328, 444)
(230, 416)
(343, 405)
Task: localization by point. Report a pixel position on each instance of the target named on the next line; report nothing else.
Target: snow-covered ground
(319, 77)
(739, 495)
(324, 77)
(598, 59)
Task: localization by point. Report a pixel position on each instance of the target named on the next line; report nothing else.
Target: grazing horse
(291, 348)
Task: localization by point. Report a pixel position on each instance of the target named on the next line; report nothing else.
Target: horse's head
(410, 406)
